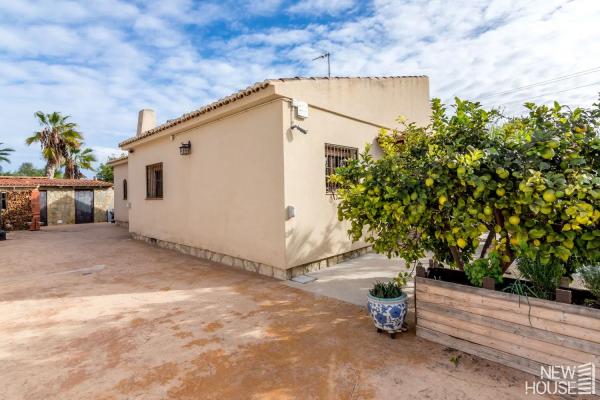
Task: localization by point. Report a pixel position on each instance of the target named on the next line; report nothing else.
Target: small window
(154, 181)
(335, 157)
(3, 201)
(124, 189)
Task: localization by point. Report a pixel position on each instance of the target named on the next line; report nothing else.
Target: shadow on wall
(312, 245)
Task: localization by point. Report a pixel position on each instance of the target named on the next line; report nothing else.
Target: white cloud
(315, 7)
(101, 61)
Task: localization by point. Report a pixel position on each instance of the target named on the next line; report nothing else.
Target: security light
(301, 129)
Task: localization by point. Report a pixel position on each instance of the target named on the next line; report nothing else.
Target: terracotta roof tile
(117, 159)
(35, 181)
(241, 94)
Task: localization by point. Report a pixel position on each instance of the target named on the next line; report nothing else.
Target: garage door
(43, 207)
(84, 206)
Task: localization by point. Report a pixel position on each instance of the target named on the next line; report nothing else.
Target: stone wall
(103, 201)
(61, 205)
(18, 212)
(253, 266)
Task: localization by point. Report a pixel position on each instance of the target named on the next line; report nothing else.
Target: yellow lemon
(549, 196)
(443, 199)
(428, 182)
(461, 243)
(500, 192)
(487, 210)
(514, 220)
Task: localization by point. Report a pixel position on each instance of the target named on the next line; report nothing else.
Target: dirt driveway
(87, 313)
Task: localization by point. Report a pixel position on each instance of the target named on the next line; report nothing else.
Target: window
(154, 181)
(3, 201)
(124, 189)
(336, 156)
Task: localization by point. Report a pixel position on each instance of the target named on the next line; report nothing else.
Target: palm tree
(56, 137)
(4, 153)
(76, 160)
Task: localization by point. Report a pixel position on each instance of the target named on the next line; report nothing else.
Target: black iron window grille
(335, 157)
(154, 181)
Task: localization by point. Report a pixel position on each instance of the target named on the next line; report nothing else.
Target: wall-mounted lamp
(185, 149)
(301, 129)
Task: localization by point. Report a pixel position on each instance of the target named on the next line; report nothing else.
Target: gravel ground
(87, 313)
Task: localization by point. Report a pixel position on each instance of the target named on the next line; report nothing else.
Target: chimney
(146, 121)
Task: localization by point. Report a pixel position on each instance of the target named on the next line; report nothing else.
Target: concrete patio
(351, 280)
(88, 313)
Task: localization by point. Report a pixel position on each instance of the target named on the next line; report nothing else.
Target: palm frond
(4, 153)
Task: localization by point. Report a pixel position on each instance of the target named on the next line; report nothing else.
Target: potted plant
(386, 303)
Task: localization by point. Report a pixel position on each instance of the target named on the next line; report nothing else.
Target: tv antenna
(327, 56)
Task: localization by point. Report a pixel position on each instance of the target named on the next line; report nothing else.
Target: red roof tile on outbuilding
(36, 181)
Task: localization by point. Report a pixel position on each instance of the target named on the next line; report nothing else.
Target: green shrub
(544, 278)
(386, 290)
(485, 267)
(591, 278)
(531, 183)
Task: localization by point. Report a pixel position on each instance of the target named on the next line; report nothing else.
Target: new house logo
(561, 380)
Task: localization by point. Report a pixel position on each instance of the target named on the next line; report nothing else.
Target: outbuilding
(61, 201)
(244, 180)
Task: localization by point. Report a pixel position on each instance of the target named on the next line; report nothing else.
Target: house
(61, 201)
(243, 181)
(121, 203)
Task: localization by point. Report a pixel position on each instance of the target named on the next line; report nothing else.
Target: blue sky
(102, 61)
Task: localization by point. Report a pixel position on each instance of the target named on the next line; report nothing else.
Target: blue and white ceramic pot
(387, 314)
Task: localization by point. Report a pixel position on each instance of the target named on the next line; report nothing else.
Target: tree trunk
(457, 256)
(50, 170)
(488, 243)
(500, 222)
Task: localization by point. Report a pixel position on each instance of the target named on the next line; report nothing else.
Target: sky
(102, 61)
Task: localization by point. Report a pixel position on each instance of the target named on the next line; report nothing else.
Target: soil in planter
(579, 296)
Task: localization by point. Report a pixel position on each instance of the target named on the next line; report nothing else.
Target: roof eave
(118, 161)
(266, 94)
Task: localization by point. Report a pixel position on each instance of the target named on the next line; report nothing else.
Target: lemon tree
(530, 186)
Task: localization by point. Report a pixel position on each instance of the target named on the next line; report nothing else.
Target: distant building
(62, 201)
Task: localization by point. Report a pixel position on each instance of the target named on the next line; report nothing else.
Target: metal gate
(84, 206)
(43, 207)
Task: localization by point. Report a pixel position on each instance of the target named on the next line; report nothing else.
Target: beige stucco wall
(103, 201)
(315, 232)
(227, 196)
(120, 204)
(61, 205)
(376, 100)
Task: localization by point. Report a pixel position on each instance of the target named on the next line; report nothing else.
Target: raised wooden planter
(523, 333)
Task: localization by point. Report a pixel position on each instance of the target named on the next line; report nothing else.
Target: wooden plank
(515, 304)
(511, 316)
(570, 308)
(500, 357)
(478, 350)
(522, 330)
(522, 345)
(485, 339)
